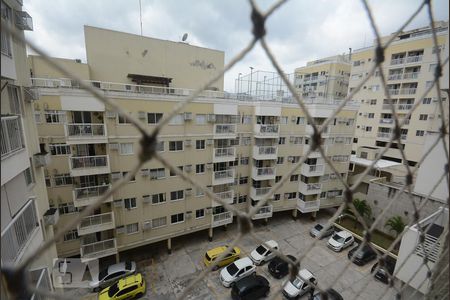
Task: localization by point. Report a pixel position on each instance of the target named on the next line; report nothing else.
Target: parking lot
(167, 275)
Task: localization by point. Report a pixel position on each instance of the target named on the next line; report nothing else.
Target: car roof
(250, 281)
(130, 280)
(219, 250)
(344, 233)
(305, 274)
(116, 268)
(271, 243)
(243, 262)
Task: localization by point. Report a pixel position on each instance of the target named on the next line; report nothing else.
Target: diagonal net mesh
(20, 287)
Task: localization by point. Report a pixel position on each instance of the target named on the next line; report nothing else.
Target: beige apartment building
(26, 220)
(324, 78)
(409, 68)
(237, 148)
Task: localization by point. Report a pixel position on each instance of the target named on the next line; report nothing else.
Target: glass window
(158, 198)
(59, 149)
(177, 218)
(177, 195)
(126, 148)
(177, 120)
(200, 119)
(200, 144)
(132, 228)
(159, 222)
(154, 118)
(199, 213)
(175, 145)
(200, 168)
(130, 203)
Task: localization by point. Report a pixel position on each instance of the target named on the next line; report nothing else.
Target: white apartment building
(237, 148)
(26, 220)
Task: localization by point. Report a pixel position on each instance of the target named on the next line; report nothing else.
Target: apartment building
(26, 220)
(409, 67)
(324, 78)
(237, 148)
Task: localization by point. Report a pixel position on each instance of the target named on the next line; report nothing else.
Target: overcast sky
(298, 32)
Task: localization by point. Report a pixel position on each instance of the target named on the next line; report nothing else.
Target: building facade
(26, 221)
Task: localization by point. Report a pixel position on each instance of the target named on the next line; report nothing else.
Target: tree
(395, 224)
(363, 208)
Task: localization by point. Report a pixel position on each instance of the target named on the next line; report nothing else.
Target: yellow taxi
(126, 288)
(211, 255)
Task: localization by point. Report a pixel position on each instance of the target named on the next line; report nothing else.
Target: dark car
(318, 230)
(278, 267)
(363, 255)
(251, 287)
(382, 273)
(329, 294)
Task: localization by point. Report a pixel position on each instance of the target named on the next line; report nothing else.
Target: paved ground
(167, 275)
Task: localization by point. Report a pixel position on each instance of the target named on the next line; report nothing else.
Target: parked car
(300, 285)
(318, 231)
(278, 267)
(126, 288)
(239, 269)
(363, 255)
(212, 254)
(387, 268)
(111, 274)
(340, 240)
(250, 287)
(262, 253)
(329, 294)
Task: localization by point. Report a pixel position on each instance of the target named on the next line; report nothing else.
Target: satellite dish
(185, 36)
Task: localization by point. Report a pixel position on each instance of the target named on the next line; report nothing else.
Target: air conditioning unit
(209, 141)
(110, 114)
(365, 114)
(294, 119)
(431, 117)
(145, 172)
(188, 168)
(290, 158)
(363, 127)
(146, 199)
(211, 117)
(286, 196)
(188, 192)
(188, 214)
(435, 99)
(147, 225)
(114, 146)
(292, 139)
(208, 210)
(187, 143)
(141, 115)
(209, 165)
(31, 94)
(118, 203)
(120, 229)
(116, 176)
(187, 116)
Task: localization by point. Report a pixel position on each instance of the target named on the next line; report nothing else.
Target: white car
(340, 240)
(239, 269)
(299, 285)
(262, 253)
(112, 274)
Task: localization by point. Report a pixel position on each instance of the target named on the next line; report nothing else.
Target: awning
(145, 79)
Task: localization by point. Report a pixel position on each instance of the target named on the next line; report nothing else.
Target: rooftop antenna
(184, 38)
(140, 14)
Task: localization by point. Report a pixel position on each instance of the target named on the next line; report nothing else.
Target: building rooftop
(380, 164)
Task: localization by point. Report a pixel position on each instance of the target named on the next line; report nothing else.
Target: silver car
(318, 231)
(112, 274)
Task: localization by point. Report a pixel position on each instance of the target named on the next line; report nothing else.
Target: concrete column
(225, 227)
(294, 214)
(169, 245)
(314, 215)
(117, 258)
(266, 221)
(210, 234)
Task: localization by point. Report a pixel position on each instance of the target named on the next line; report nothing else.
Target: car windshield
(297, 282)
(232, 269)
(102, 274)
(359, 254)
(261, 249)
(113, 289)
(318, 227)
(338, 238)
(128, 265)
(207, 256)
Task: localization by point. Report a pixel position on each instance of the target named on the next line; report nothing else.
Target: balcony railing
(267, 130)
(225, 129)
(263, 212)
(259, 193)
(89, 161)
(18, 232)
(98, 249)
(397, 61)
(404, 106)
(413, 59)
(224, 154)
(222, 218)
(386, 121)
(266, 173)
(96, 223)
(83, 130)
(222, 177)
(265, 152)
(411, 75)
(226, 196)
(312, 170)
(308, 206)
(85, 195)
(384, 135)
(396, 76)
(310, 188)
(394, 91)
(408, 91)
(12, 136)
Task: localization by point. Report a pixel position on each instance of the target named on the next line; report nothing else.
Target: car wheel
(267, 292)
(139, 295)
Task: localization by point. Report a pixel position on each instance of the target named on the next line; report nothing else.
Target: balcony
(267, 131)
(386, 121)
(310, 188)
(96, 223)
(408, 91)
(265, 152)
(226, 196)
(263, 212)
(384, 135)
(85, 133)
(396, 76)
(224, 154)
(89, 165)
(404, 106)
(224, 131)
(223, 177)
(87, 195)
(312, 170)
(221, 219)
(411, 75)
(397, 61)
(267, 173)
(98, 250)
(12, 136)
(18, 234)
(259, 193)
(308, 206)
(393, 91)
(414, 59)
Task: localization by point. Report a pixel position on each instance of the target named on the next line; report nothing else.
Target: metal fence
(148, 152)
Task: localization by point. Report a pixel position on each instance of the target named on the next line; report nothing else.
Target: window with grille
(71, 235)
(55, 116)
(14, 100)
(6, 37)
(67, 208)
(63, 179)
(59, 149)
